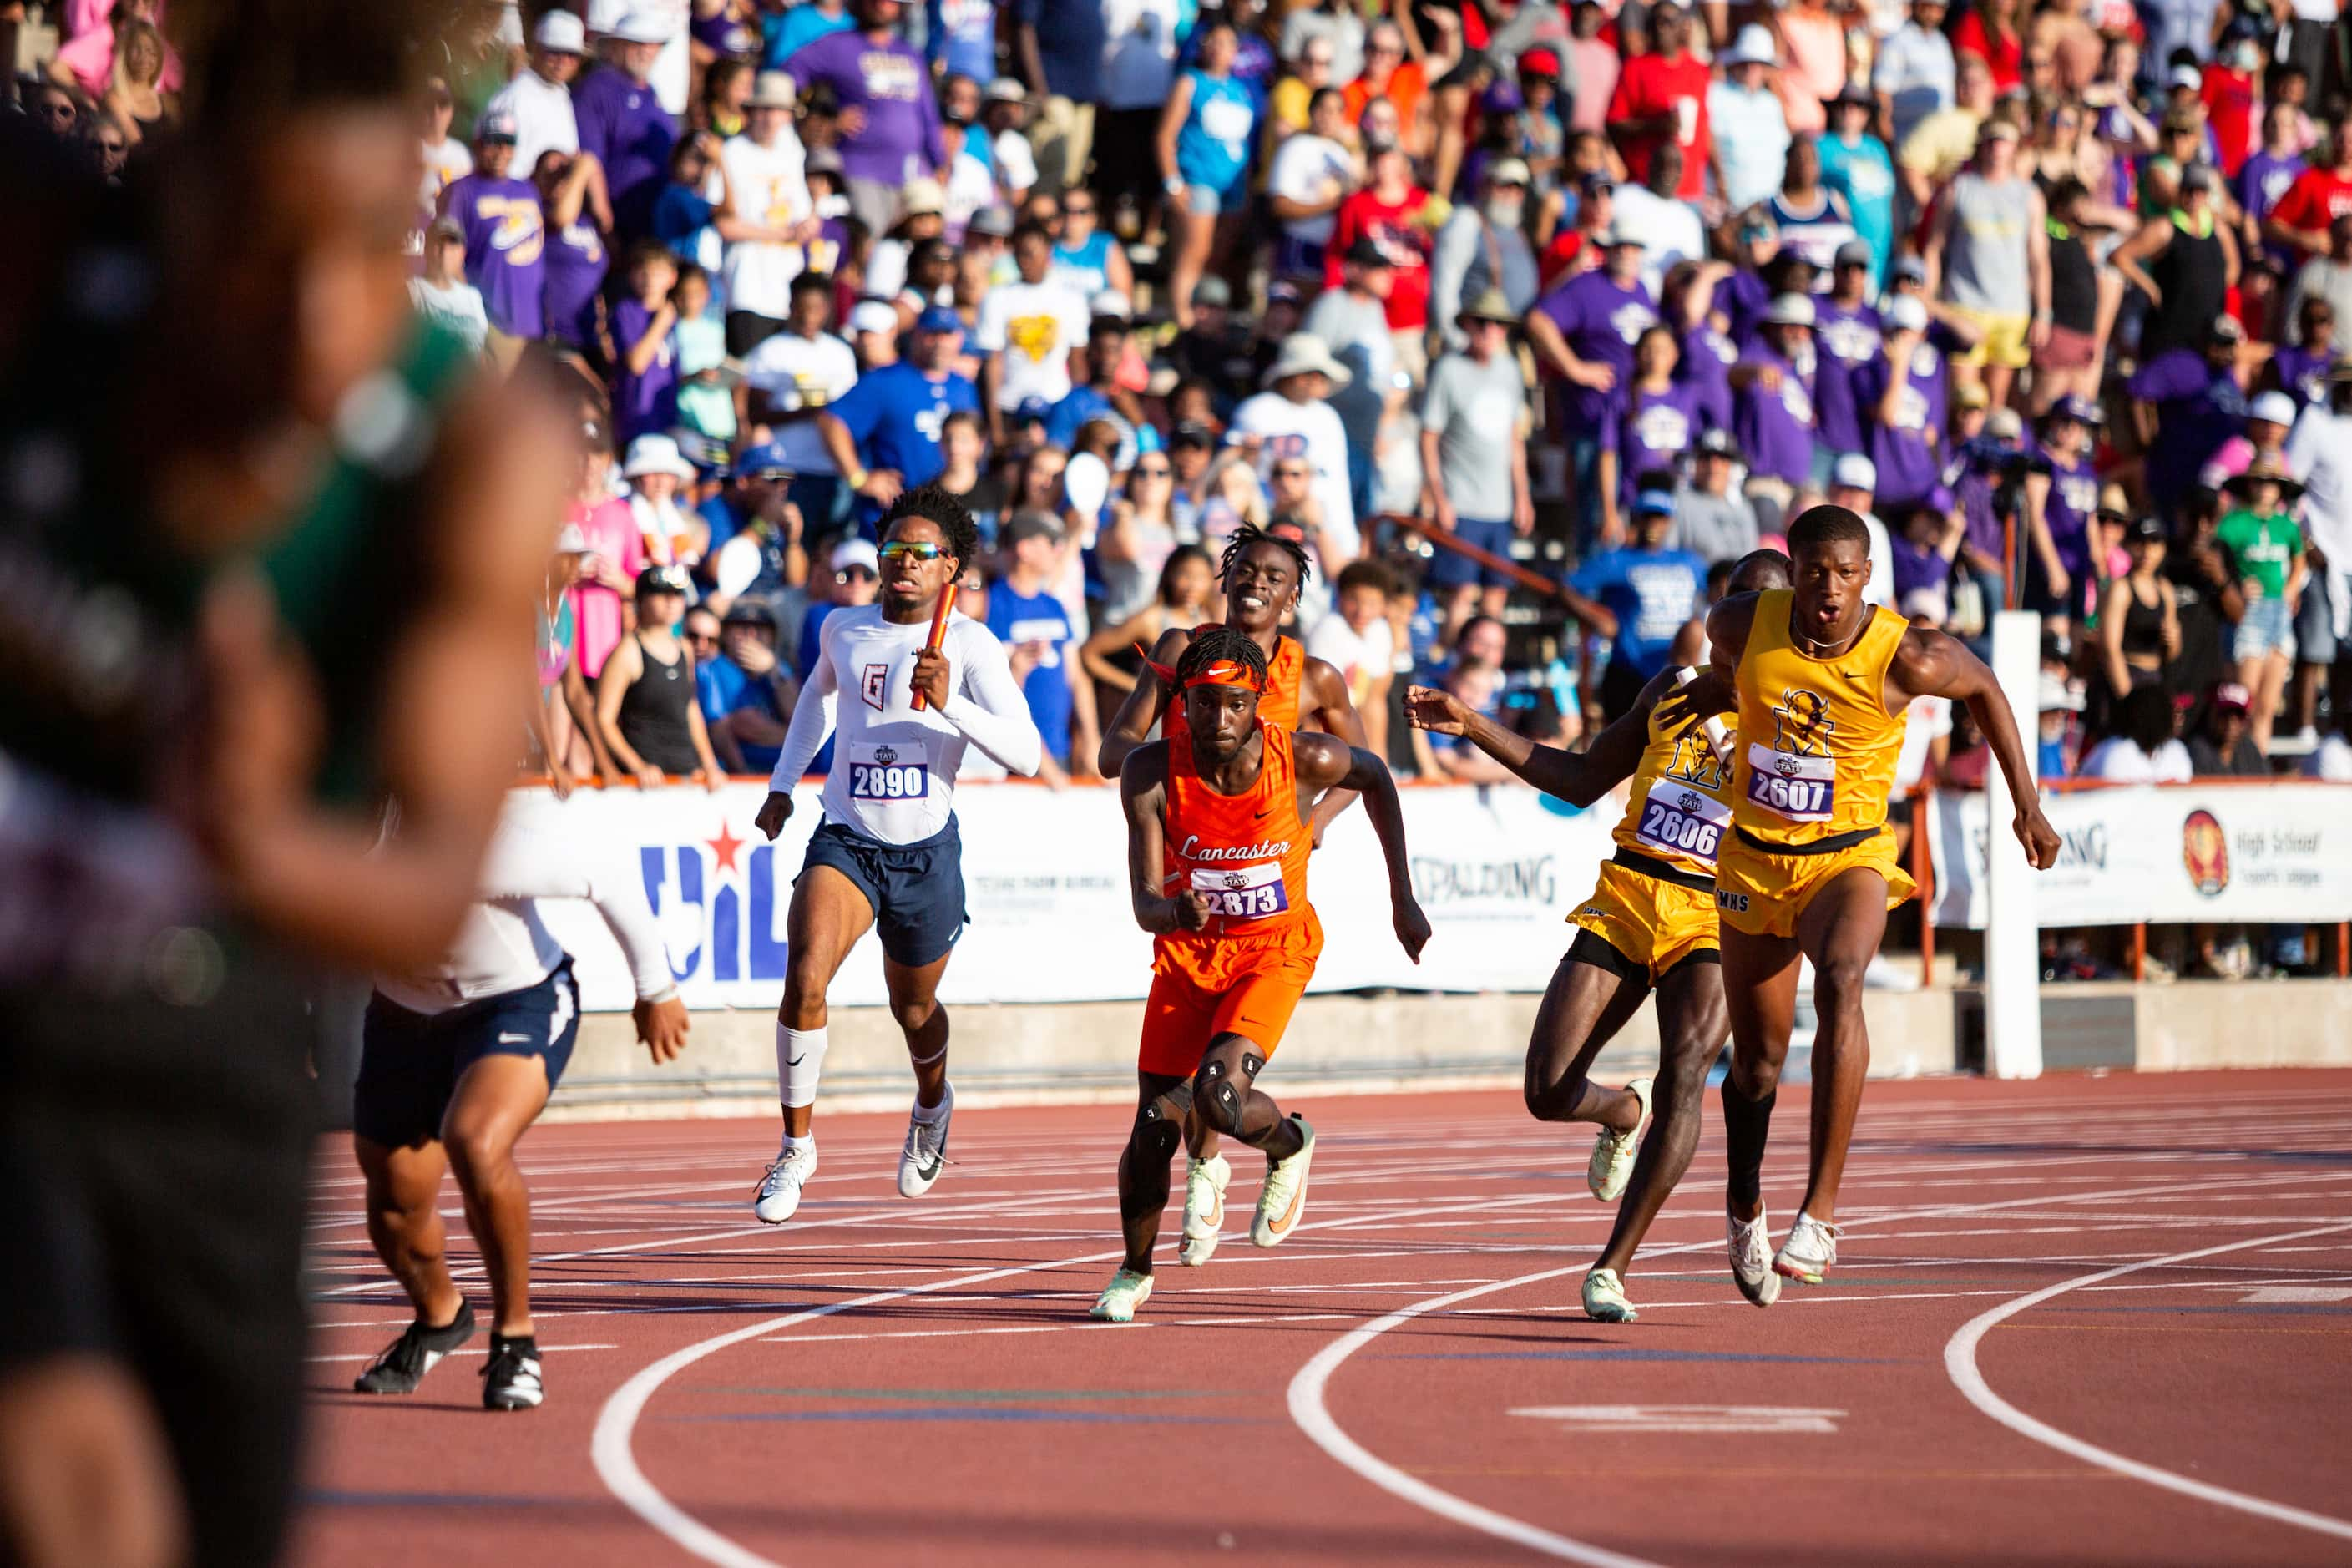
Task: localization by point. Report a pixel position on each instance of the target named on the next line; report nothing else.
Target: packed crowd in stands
(1604, 291)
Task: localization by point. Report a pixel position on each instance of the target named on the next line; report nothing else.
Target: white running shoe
(1121, 1298)
(1811, 1250)
(1604, 1298)
(779, 1189)
(1204, 1208)
(1283, 1200)
(1751, 1259)
(926, 1153)
(1611, 1165)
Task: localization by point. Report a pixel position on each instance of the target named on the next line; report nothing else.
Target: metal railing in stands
(1534, 582)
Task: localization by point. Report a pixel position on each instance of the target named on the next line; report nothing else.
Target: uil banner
(1498, 871)
(2169, 855)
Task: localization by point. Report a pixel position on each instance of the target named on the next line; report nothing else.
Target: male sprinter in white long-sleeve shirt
(455, 1065)
(888, 853)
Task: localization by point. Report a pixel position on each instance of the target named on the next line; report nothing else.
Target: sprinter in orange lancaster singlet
(1262, 574)
(1217, 847)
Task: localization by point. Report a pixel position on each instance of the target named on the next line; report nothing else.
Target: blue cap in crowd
(1653, 503)
(766, 460)
(939, 319)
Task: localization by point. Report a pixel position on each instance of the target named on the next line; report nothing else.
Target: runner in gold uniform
(1649, 925)
(1809, 870)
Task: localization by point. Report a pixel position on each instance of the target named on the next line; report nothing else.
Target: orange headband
(1224, 672)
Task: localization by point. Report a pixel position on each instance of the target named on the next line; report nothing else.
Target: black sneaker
(418, 1351)
(511, 1381)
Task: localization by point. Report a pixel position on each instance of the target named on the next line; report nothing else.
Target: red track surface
(917, 1381)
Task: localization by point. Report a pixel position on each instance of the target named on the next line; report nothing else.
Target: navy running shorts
(410, 1062)
(1448, 570)
(916, 890)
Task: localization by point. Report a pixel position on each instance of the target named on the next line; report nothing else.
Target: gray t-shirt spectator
(1472, 256)
(1476, 411)
(1356, 332)
(1713, 528)
(1344, 27)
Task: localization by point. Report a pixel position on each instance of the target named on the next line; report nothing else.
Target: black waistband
(1830, 846)
(1635, 861)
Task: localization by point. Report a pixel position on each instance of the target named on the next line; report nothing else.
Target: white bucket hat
(655, 455)
(1303, 354)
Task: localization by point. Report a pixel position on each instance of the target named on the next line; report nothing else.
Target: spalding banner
(1498, 869)
(2166, 854)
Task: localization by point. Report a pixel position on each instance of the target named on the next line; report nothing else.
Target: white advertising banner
(2165, 853)
(1497, 871)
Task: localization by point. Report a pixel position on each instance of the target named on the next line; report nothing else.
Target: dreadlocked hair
(1212, 645)
(1249, 534)
(935, 504)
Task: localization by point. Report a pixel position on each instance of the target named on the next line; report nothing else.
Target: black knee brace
(1217, 1100)
(1156, 1136)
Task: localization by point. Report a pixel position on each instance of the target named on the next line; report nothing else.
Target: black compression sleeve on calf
(1746, 1125)
(1149, 1148)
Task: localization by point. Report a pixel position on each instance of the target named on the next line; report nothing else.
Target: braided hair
(1216, 645)
(1248, 534)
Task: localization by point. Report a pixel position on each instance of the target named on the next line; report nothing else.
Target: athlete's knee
(806, 979)
(1755, 1078)
(1837, 982)
(915, 1014)
(479, 1151)
(1218, 1097)
(1156, 1137)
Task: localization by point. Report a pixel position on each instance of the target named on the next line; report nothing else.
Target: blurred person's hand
(1023, 657)
(883, 487)
(648, 777)
(1443, 514)
(712, 779)
(1601, 377)
(1768, 376)
(84, 1474)
(662, 1028)
(852, 121)
(1523, 515)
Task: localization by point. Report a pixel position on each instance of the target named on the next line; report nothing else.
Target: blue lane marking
(970, 1413)
(1617, 1354)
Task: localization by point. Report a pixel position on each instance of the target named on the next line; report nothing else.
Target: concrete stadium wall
(1398, 1042)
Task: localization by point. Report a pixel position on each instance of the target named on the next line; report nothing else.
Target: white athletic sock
(928, 1115)
(792, 1142)
(800, 1056)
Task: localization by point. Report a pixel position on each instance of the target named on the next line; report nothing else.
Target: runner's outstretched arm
(992, 712)
(1577, 778)
(527, 864)
(1932, 663)
(1324, 762)
(812, 722)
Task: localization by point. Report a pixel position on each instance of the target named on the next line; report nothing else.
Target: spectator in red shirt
(1389, 210)
(1661, 96)
(1989, 32)
(2316, 199)
(2231, 95)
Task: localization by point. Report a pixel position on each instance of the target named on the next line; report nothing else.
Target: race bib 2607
(1683, 820)
(1798, 788)
(885, 772)
(1243, 892)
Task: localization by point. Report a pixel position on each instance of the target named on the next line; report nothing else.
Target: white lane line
(1310, 1412)
(1960, 1364)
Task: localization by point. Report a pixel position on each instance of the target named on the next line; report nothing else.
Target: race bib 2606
(1243, 892)
(1683, 820)
(900, 771)
(1801, 789)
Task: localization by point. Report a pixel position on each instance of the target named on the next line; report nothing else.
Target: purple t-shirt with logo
(2067, 510)
(1847, 338)
(576, 263)
(2197, 409)
(1901, 449)
(1705, 368)
(2261, 180)
(890, 85)
(1776, 428)
(1601, 321)
(631, 133)
(2302, 373)
(647, 402)
(506, 248)
(1652, 430)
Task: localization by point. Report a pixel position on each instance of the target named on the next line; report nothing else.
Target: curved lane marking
(1960, 1365)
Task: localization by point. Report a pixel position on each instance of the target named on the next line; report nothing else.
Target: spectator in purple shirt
(644, 370)
(506, 239)
(889, 115)
(1846, 333)
(1707, 352)
(2268, 172)
(1655, 423)
(1773, 406)
(1903, 403)
(1584, 331)
(2185, 404)
(2301, 368)
(577, 217)
(621, 121)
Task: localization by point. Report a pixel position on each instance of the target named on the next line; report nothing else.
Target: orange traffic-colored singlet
(1245, 853)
